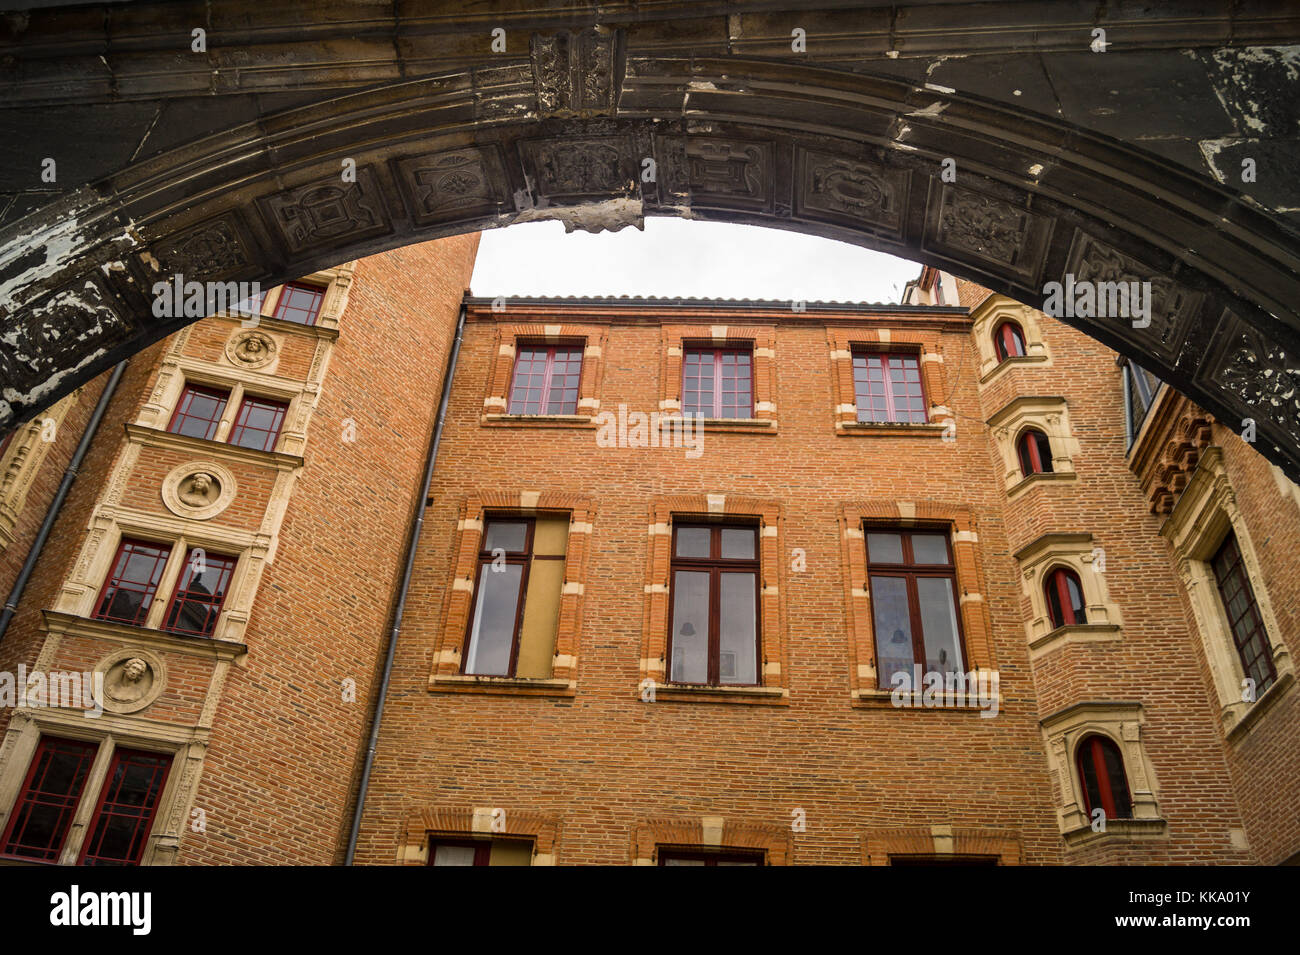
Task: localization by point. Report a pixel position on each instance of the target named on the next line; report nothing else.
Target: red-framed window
(258, 423)
(124, 816)
(673, 856)
(1064, 595)
(1242, 610)
(132, 581)
(42, 814)
(546, 380)
(913, 592)
(492, 644)
(198, 412)
(713, 624)
(1034, 451)
(888, 388)
(718, 382)
(201, 591)
(1009, 341)
(299, 303)
(1102, 777)
(460, 852)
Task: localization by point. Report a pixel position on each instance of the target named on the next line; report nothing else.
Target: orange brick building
(676, 561)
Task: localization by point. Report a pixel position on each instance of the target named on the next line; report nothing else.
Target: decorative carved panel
(213, 250)
(575, 169)
(718, 172)
(327, 212)
(1263, 377)
(455, 184)
(1173, 308)
(849, 192)
(967, 224)
(577, 72)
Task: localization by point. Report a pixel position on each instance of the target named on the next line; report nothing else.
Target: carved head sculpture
(199, 490)
(134, 669)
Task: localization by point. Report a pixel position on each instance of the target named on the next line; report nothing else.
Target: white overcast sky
(679, 257)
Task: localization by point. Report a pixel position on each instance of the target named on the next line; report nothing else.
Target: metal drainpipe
(412, 543)
(52, 514)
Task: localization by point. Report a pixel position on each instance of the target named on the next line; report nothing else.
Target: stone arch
(565, 132)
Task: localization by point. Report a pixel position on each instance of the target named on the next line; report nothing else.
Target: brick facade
(606, 760)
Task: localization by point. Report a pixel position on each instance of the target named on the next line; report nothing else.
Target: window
(1009, 341)
(196, 605)
(480, 852)
(1249, 634)
(546, 380)
(713, 622)
(1064, 596)
(299, 303)
(718, 382)
(1034, 452)
(517, 597)
(124, 816)
(55, 783)
(129, 591)
(43, 811)
(198, 413)
(914, 607)
(258, 423)
(1101, 776)
(1140, 389)
(888, 388)
(701, 857)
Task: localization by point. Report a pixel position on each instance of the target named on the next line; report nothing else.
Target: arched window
(1064, 598)
(1101, 775)
(1034, 451)
(1009, 341)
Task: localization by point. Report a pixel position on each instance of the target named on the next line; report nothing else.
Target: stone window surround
(985, 319)
(336, 282)
(474, 511)
(958, 522)
(1051, 416)
(709, 832)
(941, 841)
(843, 341)
(251, 550)
(426, 824)
(1074, 552)
(22, 461)
(188, 743)
(509, 337)
(715, 508)
(675, 338)
(1121, 722)
(1204, 515)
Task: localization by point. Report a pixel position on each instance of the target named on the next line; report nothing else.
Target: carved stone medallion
(199, 490)
(251, 349)
(132, 678)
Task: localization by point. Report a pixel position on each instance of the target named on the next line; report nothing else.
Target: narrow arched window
(1009, 341)
(1034, 451)
(1064, 596)
(1102, 778)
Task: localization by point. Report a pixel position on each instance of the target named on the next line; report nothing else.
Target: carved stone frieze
(967, 224)
(718, 171)
(578, 169)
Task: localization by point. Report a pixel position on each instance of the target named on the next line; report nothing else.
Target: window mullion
(162, 596)
(717, 383)
(88, 802)
(545, 404)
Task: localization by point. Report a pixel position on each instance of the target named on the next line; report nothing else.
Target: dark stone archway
(838, 144)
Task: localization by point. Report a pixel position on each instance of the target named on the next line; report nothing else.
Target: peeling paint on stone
(610, 215)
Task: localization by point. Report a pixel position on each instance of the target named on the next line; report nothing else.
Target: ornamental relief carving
(575, 72)
(1266, 379)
